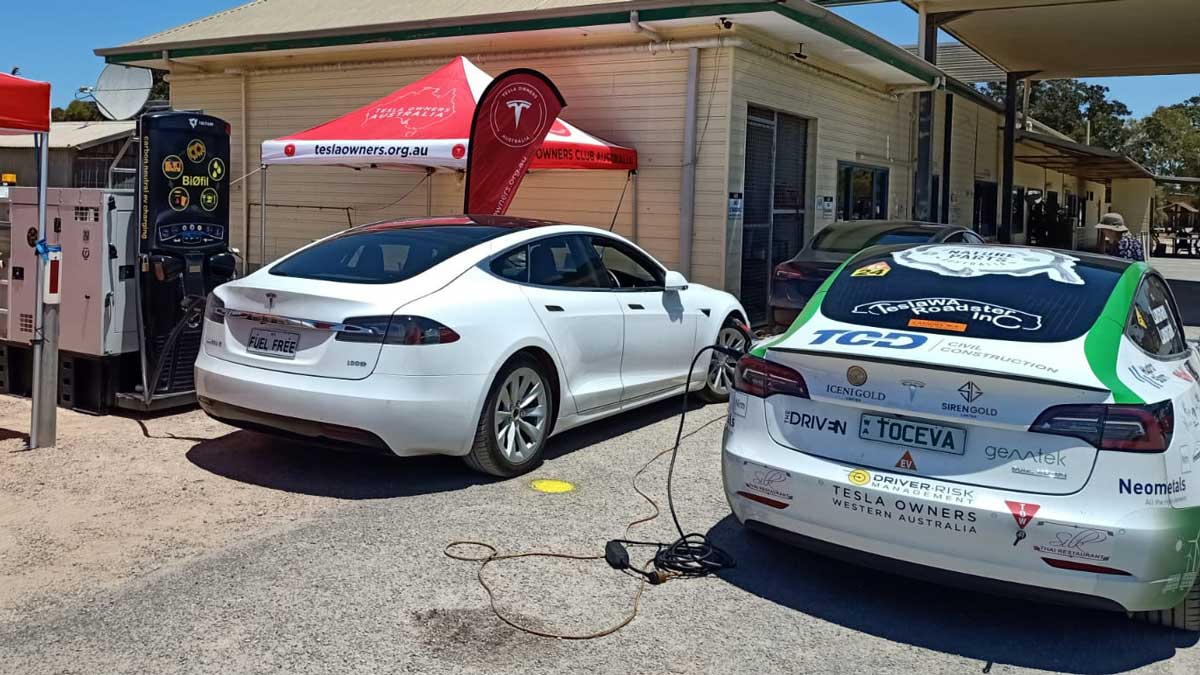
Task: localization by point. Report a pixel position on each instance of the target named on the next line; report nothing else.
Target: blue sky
(53, 40)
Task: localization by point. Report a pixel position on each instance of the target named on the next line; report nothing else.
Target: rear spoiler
(935, 366)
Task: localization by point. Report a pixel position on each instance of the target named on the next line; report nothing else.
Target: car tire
(515, 422)
(719, 380)
(1184, 616)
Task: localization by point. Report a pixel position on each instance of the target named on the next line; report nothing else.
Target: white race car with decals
(475, 336)
(1008, 418)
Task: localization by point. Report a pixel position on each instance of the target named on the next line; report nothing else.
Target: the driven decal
(1023, 513)
(879, 269)
(815, 422)
(977, 261)
(968, 310)
(868, 338)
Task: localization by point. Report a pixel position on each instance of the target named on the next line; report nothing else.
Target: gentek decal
(983, 312)
(815, 422)
(868, 338)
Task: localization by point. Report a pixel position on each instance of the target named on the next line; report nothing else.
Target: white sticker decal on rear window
(977, 261)
(997, 315)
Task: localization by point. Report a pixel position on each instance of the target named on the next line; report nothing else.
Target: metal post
(687, 187)
(947, 142)
(429, 191)
(1010, 143)
(923, 207)
(634, 197)
(42, 432)
(262, 224)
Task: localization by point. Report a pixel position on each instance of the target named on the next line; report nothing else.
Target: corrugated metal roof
(281, 17)
(75, 135)
(963, 63)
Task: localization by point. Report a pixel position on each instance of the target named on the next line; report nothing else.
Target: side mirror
(674, 281)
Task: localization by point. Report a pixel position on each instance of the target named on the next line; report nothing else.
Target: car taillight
(788, 270)
(214, 309)
(1125, 428)
(762, 378)
(396, 330)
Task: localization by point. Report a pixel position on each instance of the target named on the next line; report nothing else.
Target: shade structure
(24, 105)
(427, 125)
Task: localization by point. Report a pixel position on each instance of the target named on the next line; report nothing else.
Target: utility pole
(43, 427)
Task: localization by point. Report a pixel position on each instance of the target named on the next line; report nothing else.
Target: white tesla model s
(472, 336)
(1010, 418)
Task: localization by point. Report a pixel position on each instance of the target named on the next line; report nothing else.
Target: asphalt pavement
(365, 586)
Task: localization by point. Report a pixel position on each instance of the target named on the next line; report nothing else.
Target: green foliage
(77, 111)
(1068, 105)
(1168, 140)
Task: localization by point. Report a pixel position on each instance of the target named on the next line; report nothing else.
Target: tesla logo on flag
(192, 121)
(906, 462)
(517, 106)
(1022, 512)
(525, 102)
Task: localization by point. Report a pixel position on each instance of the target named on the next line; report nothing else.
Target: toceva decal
(971, 310)
(978, 261)
(868, 338)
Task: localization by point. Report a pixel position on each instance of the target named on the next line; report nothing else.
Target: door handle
(553, 308)
(635, 306)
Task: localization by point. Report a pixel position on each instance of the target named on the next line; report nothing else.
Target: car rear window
(852, 239)
(383, 256)
(986, 292)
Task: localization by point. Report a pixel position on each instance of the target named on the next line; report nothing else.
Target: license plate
(907, 433)
(279, 344)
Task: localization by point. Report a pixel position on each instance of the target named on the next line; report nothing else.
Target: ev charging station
(128, 270)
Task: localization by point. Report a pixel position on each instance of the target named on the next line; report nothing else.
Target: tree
(77, 111)
(1068, 105)
(1167, 142)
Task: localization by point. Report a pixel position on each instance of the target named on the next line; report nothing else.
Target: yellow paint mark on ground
(551, 485)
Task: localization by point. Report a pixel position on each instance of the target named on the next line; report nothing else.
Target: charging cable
(691, 555)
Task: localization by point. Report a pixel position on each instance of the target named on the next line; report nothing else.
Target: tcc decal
(869, 338)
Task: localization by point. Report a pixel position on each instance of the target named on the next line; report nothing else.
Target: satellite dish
(121, 91)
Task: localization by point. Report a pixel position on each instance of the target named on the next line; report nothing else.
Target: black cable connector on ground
(691, 555)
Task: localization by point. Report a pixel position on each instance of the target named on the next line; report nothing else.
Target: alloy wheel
(521, 408)
(721, 367)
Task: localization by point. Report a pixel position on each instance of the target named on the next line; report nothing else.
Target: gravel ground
(230, 552)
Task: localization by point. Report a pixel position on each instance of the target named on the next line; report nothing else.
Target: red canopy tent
(427, 125)
(24, 105)
(24, 109)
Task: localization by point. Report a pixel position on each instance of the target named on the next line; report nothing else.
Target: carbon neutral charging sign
(184, 181)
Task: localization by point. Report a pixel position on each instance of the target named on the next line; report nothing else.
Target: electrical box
(97, 315)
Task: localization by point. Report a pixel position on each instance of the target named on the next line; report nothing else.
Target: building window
(862, 192)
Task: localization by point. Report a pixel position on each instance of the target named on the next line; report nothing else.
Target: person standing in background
(1116, 239)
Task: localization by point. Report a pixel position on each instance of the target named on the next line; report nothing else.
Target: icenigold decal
(977, 261)
(957, 308)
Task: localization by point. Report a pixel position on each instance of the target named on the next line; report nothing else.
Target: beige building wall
(846, 123)
(974, 153)
(636, 100)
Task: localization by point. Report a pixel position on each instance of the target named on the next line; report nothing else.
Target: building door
(862, 192)
(774, 191)
(985, 208)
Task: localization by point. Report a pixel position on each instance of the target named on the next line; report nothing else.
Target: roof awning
(1094, 164)
(1057, 39)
